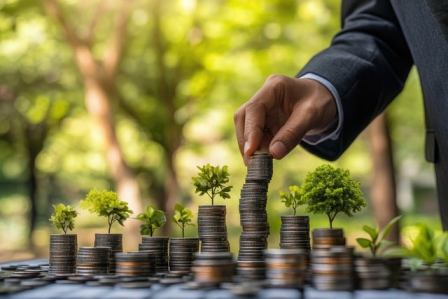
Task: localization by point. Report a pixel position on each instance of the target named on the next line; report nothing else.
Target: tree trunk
(383, 184)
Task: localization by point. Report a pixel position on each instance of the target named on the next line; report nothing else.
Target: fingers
(238, 119)
(255, 118)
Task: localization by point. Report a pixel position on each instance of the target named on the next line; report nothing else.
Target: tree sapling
(182, 217)
(213, 181)
(63, 217)
(293, 199)
(152, 220)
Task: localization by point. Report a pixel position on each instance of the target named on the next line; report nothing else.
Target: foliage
(328, 190)
(106, 203)
(293, 199)
(63, 217)
(152, 219)
(212, 180)
(378, 237)
(182, 217)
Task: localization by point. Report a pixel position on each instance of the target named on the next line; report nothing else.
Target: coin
(213, 268)
(62, 255)
(181, 252)
(93, 260)
(114, 242)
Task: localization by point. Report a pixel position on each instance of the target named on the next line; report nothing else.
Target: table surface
(179, 291)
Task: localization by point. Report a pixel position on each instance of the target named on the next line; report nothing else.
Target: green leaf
(363, 242)
(373, 233)
(387, 229)
(212, 180)
(63, 217)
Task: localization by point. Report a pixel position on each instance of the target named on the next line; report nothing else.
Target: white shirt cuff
(333, 135)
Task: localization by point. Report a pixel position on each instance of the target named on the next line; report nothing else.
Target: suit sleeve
(367, 62)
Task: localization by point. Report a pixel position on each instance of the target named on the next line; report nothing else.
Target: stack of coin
(158, 247)
(93, 260)
(295, 232)
(253, 217)
(213, 268)
(328, 237)
(134, 264)
(114, 242)
(372, 273)
(286, 268)
(332, 268)
(182, 251)
(212, 229)
(63, 250)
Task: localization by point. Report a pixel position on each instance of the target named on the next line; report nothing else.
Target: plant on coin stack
(329, 190)
(182, 217)
(212, 181)
(293, 199)
(107, 204)
(152, 220)
(63, 217)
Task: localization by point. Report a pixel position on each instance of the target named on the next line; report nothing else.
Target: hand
(277, 117)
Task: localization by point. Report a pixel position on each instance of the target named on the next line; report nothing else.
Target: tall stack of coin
(93, 261)
(182, 251)
(253, 217)
(213, 268)
(328, 237)
(332, 268)
(286, 267)
(134, 263)
(372, 273)
(158, 247)
(114, 242)
(212, 229)
(63, 250)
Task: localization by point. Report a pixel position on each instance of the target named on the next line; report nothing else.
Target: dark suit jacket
(368, 62)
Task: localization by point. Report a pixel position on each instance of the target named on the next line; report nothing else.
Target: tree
(377, 236)
(106, 204)
(63, 217)
(293, 199)
(212, 180)
(331, 191)
(152, 219)
(182, 217)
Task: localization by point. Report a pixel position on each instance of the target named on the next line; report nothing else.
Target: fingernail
(278, 150)
(246, 148)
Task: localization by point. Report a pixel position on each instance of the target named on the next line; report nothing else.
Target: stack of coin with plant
(212, 181)
(138, 264)
(182, 250)
(213, 268)
(93, 261)
(286, 268)
(152, 220)
(107, 204)
(253, 217)
(332, 268)
(326, 238)
(63, 247)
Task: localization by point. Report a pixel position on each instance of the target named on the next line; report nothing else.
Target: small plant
(182, 217)
(378, 237)
(293, 199)
(212, 180)
(63, 217)
(106, 204)
(328, 190)
(152, 219)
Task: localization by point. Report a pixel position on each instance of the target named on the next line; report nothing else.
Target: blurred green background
(132, 95)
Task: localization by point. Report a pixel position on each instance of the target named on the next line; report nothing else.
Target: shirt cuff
(334, 133)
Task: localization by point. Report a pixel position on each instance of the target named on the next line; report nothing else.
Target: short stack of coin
(213, 268)
(63, 250)
(372, 273)
(134, 264)
(286, 268)
(295, 232)
(158, 247)
(332, 268)
(93, 261)
(253, 217)
(182, 251)
(327, 237)
(114, 242)
(212, 229)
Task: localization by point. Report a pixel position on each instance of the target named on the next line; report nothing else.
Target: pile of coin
(135, 263)
(182, 251)
(213, 268)
(295, 232)
(332, 268)
(286, 268)
(372, 273)
(114, 242)
(328, 237)
(253, 217)
(93, 261)
(63, 250)
(158, 247)
(212, 229)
